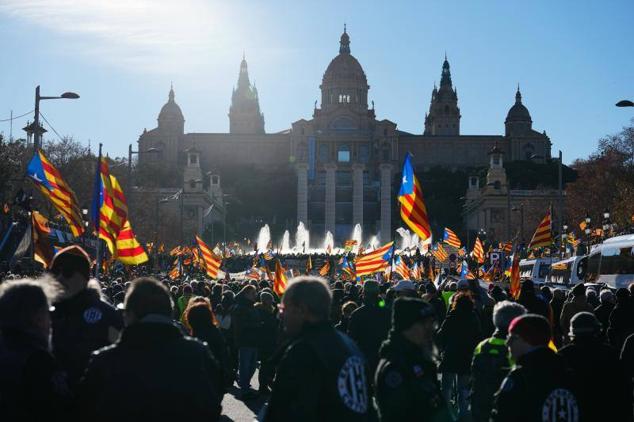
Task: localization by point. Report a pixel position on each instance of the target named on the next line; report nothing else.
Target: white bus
(568, 272)
(612, 262)
(536, 269)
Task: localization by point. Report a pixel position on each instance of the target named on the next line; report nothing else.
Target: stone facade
(345, 160)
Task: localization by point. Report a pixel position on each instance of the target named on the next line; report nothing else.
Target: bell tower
(444, 115)
(244, 114)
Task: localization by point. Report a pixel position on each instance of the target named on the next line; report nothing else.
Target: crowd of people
(156, 348)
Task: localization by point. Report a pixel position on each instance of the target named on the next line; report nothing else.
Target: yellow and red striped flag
(325, 270)
(42, 251)
(440, 253)
(50, 182)
(128, 250)
(375, 261)
(210, 261)
(280, 280)
(309, 265)
(413, 210)
(401, 268)
(450, 238)
(478, 251)
(543, 234)
(110, 216)
(515, 276)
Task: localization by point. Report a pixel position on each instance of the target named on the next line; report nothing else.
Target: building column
(330, 198)
(386, 202)
(302, 193)
(357, 194)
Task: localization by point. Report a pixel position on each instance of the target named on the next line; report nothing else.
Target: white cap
(403, 285)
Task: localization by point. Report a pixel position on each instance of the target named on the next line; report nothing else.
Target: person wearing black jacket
(457, 338)
(153, 372)
(539, 388)
(82, 321)
(321, 375)
(369, 325)
(32, 385)
(246, 325)
(406, 380)
(603, 385)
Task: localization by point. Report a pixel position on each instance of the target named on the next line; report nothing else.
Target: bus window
(544, 268)
(526, 270)
(560, 272)
(592, 267)
(617, 261)
(582, 266)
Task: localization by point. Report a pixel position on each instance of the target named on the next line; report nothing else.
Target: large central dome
(344, 82)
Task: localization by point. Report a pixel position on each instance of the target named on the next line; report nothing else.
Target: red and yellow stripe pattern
(211, 261)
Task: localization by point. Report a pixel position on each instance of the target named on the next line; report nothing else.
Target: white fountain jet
(406, 238)
(286, 242)
(373, 243)
(329, 242)
(302, 238)
(357, 234)
(264, 237)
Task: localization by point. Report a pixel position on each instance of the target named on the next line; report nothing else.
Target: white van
(612, 262)
(568, 272)
(536, 269)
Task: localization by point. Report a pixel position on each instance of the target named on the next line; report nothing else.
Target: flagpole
(96, 222)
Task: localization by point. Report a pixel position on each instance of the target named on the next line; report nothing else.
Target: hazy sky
(573, 60)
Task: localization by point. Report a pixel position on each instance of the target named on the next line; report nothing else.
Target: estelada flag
(212, 262)
(280, 280)
(375, 261)
(450, 238)
(543, 234)
(50, 182)
(413, 210)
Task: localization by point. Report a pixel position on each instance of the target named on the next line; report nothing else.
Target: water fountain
(329, 242)
(286, 242)
(302, 238)
(406, 238)
(357, 234)
(264, 237)
(373, 243)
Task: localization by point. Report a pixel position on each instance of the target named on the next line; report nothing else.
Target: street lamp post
(588, 231)
(564, 240)
(521, 210)
(37, 140)
(606, 226)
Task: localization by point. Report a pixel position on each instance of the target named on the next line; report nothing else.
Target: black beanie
(408, 310)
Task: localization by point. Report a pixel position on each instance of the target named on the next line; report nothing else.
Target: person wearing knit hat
(602, 386)
(539, 388)
(82, 321)
(406, 380)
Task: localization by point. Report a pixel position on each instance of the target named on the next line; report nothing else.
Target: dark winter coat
(245, 323)
(368, 327)
(152, 373)
(457, 338)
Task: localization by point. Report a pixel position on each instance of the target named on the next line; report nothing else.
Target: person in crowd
(33, 387)
(539, 387)
(246, 327)
(82, 321)
(183, 300)
(267, 313)
(369, 326)
(458, 336)
(321, 375)
(592, 298)
(337, 300)
(405, 288)
(200, 321)
(406, 380)
(492, 361)
(532, 302)
(602, 312)
(627, 357)
(557, 304)
(125, 381)
(497, 293)
(586, 346)
(346, 310)
(621, 318)
(576, 303)
(432, 296)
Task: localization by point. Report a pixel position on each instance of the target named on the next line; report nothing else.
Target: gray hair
(504, 312)
(607, 296)
(312, 292)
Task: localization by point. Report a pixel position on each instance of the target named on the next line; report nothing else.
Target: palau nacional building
(343, 161)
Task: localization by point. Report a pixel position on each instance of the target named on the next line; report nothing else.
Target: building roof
(344, 67)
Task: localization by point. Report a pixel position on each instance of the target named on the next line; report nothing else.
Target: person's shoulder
(390, 374)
